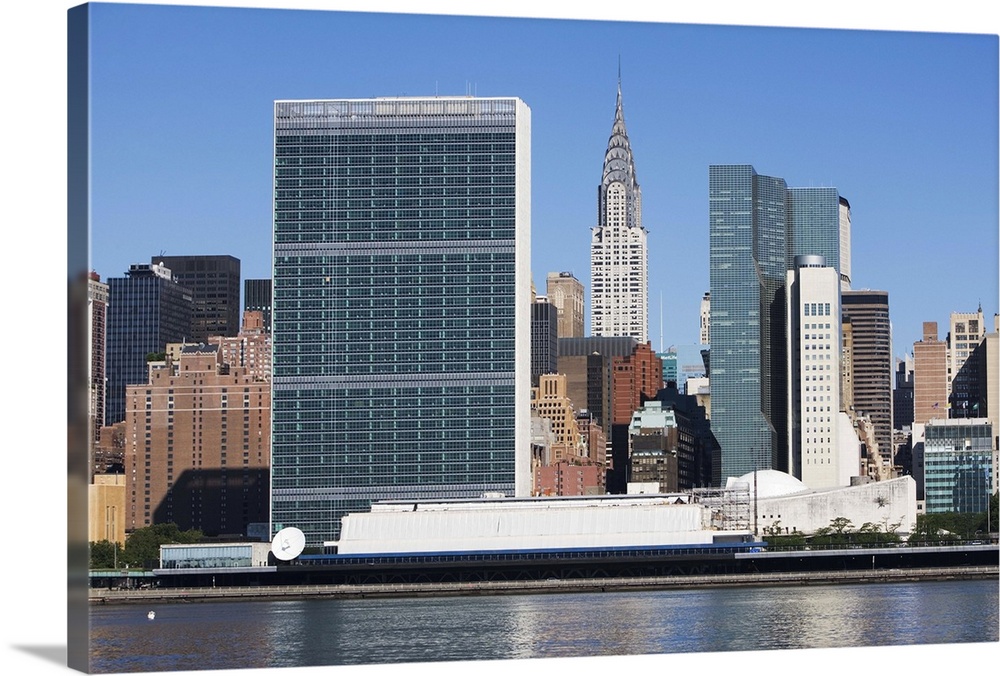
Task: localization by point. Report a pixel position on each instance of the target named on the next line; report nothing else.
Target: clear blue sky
(903, 124)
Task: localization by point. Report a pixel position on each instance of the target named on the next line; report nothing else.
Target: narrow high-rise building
(566, 292)
(868, 313)
(845, 244)
(705, 324)
(544, 338)
(814, 342)
(257, 298)
(930, 376)
(146, 310)
(619, 285)
(97, 304)
(757, 226)
(902, 395)
(215, 287)
(401, 327)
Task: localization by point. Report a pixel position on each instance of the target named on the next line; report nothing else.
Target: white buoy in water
(151, 614)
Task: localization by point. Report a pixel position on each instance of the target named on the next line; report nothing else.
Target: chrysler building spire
(619, 298)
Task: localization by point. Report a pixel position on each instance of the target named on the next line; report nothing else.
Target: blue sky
(903, 124)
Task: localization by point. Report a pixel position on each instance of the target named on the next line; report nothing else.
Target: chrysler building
(619, 297)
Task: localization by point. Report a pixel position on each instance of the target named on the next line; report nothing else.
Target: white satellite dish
(288, 543)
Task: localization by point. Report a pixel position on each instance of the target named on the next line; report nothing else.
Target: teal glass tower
(757, 226)
(400, 308)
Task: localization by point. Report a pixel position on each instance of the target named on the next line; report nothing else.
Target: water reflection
(330, 632)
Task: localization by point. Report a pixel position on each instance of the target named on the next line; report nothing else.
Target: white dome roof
(770, 483)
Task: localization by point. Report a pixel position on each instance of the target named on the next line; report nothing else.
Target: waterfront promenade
(549, 586)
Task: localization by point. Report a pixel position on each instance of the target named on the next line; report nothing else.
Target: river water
(260, 634)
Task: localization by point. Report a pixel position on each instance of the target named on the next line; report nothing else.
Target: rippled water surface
(258, 634)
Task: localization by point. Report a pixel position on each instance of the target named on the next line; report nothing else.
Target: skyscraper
(902, 394)
(215, 286)
(967, 331)
(930, 376)
(544, 339)
(868, 312)
(705, 324)
(845, 244)
(757, 226)
(257, 298)
(97, 303)
(566, 292)
(814, 342)
(619, 287)
(146, 310)
(400, 324)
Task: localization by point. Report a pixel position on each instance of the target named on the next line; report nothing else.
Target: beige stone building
(551, 401)
(566, 292)
(106, 504)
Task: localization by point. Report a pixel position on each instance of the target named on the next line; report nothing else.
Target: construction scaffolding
(727, 508)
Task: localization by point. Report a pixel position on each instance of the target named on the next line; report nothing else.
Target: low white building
(701, 517)
(785, 503)
(528, 524)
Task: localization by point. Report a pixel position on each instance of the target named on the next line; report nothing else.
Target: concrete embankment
(550, 586)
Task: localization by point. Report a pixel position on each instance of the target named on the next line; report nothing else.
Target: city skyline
(901, 123)
(36, 41)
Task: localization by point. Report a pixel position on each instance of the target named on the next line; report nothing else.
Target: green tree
(142, 548)
(105, 554)
(840, 525)
(947, 526)
(991, 513)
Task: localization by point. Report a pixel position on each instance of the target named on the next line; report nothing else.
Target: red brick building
(569, 478)
(197, 445)
(634, 376)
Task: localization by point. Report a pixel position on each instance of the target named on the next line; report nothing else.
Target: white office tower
(816, 456)
(705, 333)
(845, 244)
(619, 293)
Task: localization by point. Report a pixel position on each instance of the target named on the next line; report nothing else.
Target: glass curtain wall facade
(747, 253)
(215, 284)
(758, 225)
(401, 286)
(146, 310)
(257, 297)
(815, 225)
(958, 465)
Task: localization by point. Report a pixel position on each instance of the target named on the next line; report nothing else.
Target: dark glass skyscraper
(544, 339)
(215, 284)
(400, 304)
(146, 310)
(257, 297)
(757, 225)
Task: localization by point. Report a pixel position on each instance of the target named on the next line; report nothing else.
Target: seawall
(548, 586)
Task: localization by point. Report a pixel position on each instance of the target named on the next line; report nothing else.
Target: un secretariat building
(400, 311)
